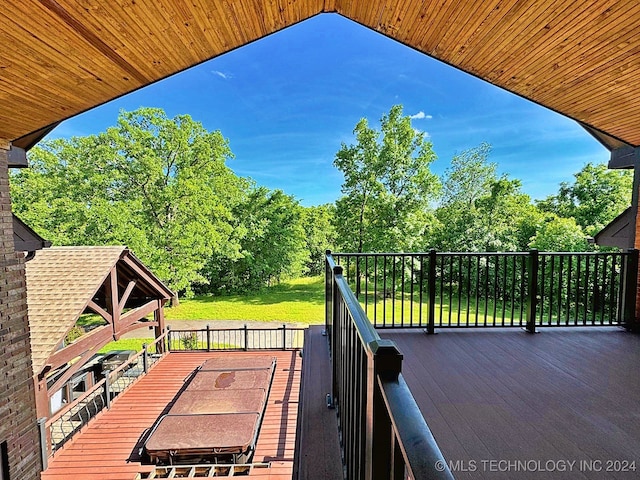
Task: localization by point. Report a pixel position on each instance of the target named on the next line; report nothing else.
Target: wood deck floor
(561, 404)
(107, 449)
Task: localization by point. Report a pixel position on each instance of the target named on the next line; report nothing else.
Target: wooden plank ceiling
(61, 57)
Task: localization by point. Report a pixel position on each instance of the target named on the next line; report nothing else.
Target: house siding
(18, 426)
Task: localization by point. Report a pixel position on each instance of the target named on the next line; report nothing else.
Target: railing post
(44, 442)
(208, 338)
(284, 336)
(246, 338)
(335, 327)
(328, 277)
(107, 389)
(145, 358)
(533, 264)
(431, 319)
(385, 361)
(630, 291)
(168, 338)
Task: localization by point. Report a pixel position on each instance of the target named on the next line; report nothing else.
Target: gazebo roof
(61, 281)
(61, 57)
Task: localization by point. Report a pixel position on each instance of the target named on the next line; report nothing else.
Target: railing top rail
(63, 411)
(423, 458)
(471, 254)
(238, 329)
(97, 386)
(363, 326)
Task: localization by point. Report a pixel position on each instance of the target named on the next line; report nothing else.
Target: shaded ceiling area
(63, 57)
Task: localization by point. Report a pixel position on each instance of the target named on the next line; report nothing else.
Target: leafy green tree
(320, 235)
(157, 184)
(272, 248)
(481, 211)
(594, 199)
(387, 186)
(557, 234)
(469, 177)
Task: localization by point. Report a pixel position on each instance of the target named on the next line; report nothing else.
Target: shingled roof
(60, 283)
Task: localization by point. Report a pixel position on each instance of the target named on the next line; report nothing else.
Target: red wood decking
(107, 449)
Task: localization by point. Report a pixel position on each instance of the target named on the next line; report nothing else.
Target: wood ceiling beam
(625, 157)
(126, 295)
(137, 314)
(100, 311)
(98, 336)
(66, 376)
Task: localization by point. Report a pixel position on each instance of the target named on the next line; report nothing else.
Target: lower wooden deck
(108, 448)
(561, 404)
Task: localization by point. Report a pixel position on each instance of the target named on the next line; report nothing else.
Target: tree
(594, 199)
(469, 177)
(387, 186)
(272, 248)
(481, 211)
(320, 235)
(558, 234)
(157, 184)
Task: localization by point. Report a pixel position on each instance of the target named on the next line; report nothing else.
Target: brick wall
(18, 425)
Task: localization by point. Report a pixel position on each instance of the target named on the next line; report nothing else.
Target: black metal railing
(383, 433)
(520, 289)
(244, 338)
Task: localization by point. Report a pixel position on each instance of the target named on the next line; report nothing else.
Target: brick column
(18, 425)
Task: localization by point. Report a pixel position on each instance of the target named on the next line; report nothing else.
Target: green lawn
(127, 344)
(300, 300)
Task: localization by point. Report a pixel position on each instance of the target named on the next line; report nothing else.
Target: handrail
(493, 289)
(417, 445)
(63, 411)
(366, 331)
(370, 396)
(230, 339)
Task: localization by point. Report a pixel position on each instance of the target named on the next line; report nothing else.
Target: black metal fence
(383, 433)
(244, 338)
(522, 289)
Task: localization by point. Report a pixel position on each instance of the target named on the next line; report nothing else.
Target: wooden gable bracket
(100, 311)
(66, 376)
(91, 342)
(126, 294)
(129, 321)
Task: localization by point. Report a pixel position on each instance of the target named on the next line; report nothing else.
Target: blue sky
(287, 102)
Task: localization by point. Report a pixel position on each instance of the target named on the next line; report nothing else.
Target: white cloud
(226, 76)
(420, 115)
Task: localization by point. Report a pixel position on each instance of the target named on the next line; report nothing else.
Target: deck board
(319, 456)
(560, 396)
(108, 447)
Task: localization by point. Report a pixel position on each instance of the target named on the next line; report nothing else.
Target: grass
(126, 344)
(300, 300)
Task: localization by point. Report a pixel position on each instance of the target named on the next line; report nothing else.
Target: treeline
(392, 201)
(162, 187)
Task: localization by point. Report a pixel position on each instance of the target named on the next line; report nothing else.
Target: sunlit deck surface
(108, 448)
(548, 399)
